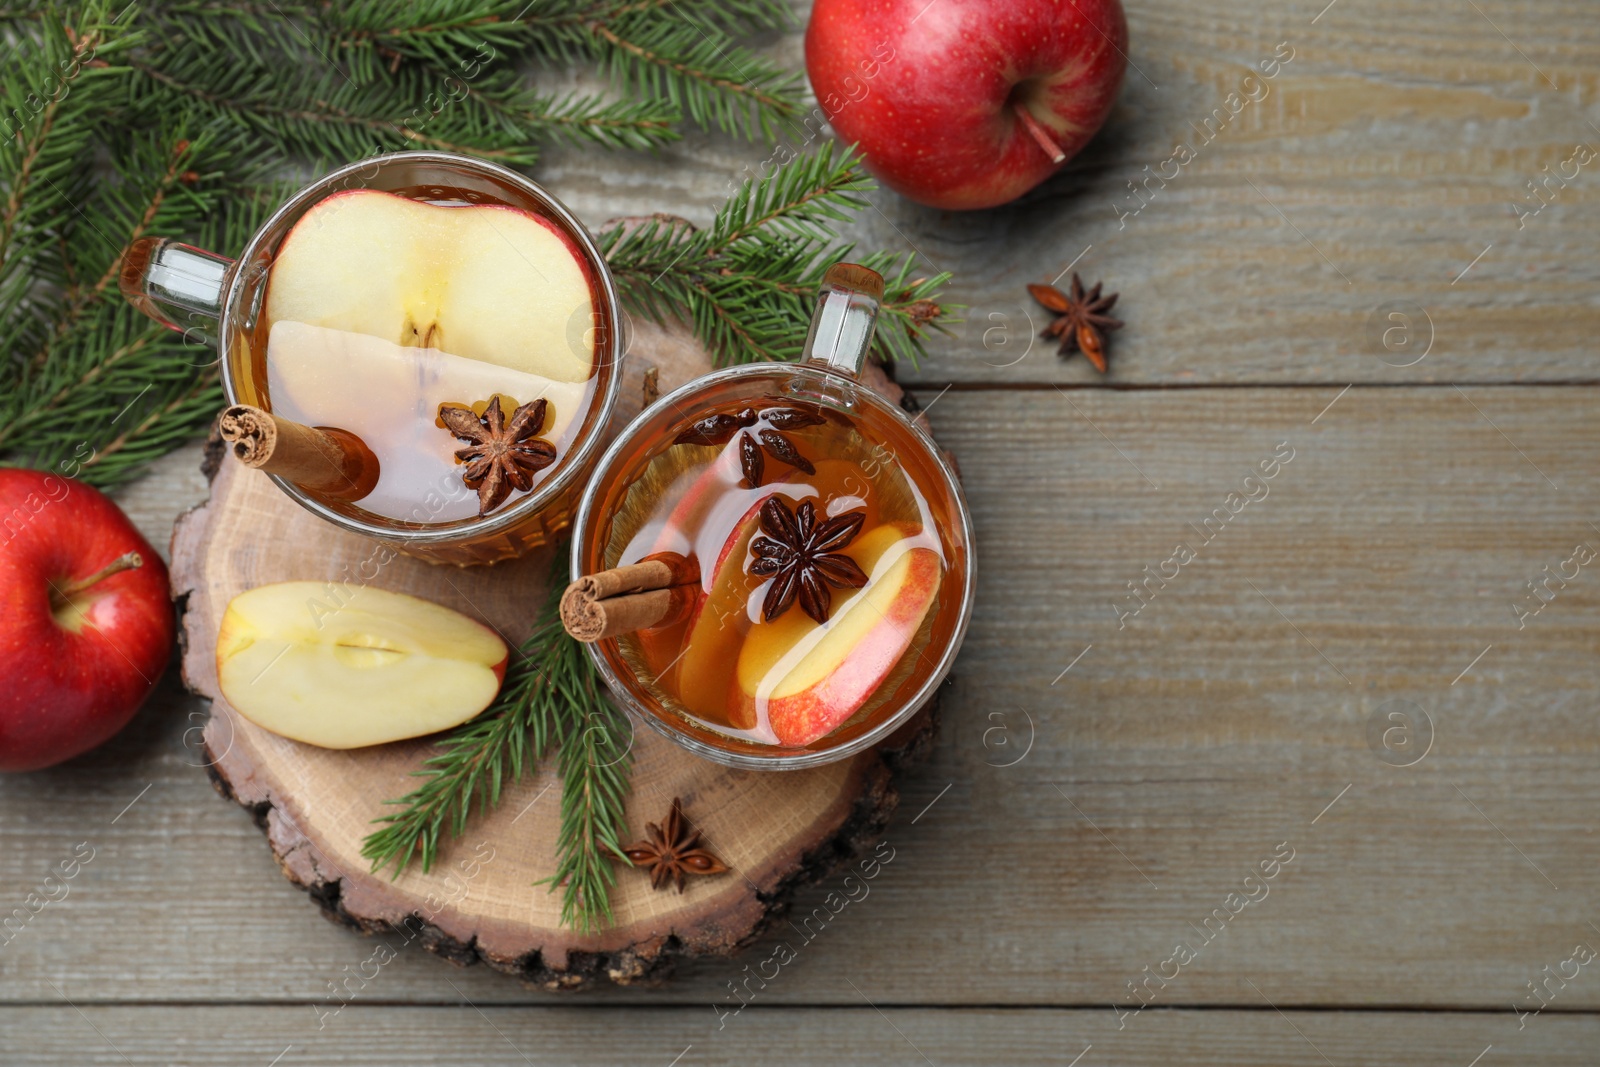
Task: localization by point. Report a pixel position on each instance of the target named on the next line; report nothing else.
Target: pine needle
(747, 283)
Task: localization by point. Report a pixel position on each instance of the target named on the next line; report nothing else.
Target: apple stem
(1040, 134)
(125, 562)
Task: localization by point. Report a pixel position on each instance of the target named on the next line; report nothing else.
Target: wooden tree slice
(775, 830)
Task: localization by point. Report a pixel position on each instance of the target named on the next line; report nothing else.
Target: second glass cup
(392, 286)
(773, 563)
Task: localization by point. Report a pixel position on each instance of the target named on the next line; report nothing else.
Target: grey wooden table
(1345, 668)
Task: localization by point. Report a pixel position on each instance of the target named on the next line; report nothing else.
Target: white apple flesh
(344, 666)
(485, 282)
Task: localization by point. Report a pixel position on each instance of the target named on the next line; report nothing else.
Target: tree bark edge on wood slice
(853, 801)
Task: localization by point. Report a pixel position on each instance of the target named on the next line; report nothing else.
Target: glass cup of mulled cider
(419, 347)
(773, 564)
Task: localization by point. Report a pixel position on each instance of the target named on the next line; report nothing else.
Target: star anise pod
(673, 850)
(803, 558)
(503, 456)
(719, 430)
(1081, 321)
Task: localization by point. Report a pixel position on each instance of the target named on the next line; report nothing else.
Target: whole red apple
(966, 103)
(85, 621)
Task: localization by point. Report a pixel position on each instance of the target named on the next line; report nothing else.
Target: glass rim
(782, 759)
(584, 446)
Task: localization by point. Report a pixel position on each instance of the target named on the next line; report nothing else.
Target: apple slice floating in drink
(809, 678)
(486, 282)
(343, 666)
(382, 308)
(715, 631)
(711, 489)
(675, 534)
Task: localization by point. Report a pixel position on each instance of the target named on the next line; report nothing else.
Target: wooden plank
(1176, 753)
(1380, 163)
(179, 1036)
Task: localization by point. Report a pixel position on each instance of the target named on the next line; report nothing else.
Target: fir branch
(134, 390)
(169, 419)
(473, 763)
(50, 94)
(550, 696)
(594, 759)
(573, 119)
(324, 113)
(800, 199)
(732, 17)
(22, 10)
(717, 83)
(746, 283)
(671, 59)
(450, 35)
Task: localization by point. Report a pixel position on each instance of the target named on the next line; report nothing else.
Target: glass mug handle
(846, 313)
(178, 285)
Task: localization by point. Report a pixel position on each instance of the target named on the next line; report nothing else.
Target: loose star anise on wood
(719, 430)
(1081, 321)
(673, 850)
(503, 456)
(803, 558)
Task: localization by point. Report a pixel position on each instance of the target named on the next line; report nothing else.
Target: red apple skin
(67, 692)
(926, 90)
(811, 714)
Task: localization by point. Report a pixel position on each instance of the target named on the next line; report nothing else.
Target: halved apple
(811, 678)
(486, 282)
(343, 666)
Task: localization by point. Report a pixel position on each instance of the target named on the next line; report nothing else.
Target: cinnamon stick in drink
(653, 592)
(322, 459)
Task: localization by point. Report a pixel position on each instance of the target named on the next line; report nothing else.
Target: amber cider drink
(829, 566)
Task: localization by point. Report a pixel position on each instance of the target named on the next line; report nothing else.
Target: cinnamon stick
(322, 459)
(653, 592)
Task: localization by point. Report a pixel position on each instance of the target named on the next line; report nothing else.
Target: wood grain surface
(1382, 161)
(1101, 784)
(816, 1037)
